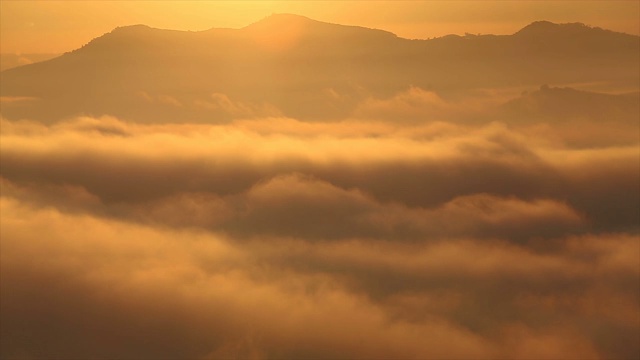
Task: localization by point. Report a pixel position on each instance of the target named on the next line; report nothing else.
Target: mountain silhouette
(298, 67)
(277, 24)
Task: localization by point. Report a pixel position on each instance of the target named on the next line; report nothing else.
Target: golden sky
(59, 26)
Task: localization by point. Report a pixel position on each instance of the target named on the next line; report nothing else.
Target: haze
(331, 181)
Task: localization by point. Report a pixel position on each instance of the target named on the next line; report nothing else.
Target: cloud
(127, 290)
(145, 294)
(275, 238)
(418, 105)
(235, 177)
(221, 103)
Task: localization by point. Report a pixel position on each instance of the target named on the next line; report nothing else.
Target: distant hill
(565, 104)
(294, 66)
(579, 119)
(8, 61)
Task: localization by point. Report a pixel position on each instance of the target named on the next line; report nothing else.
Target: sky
(61, 26)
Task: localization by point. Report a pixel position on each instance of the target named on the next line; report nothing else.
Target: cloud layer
(364, 238)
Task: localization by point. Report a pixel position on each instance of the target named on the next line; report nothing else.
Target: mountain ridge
(305, 68)
(279, 21)
(285, 19)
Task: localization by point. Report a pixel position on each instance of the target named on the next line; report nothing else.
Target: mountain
(566, 104)
(8, 61)
(279, 25)
(294, 66)
(575, 118)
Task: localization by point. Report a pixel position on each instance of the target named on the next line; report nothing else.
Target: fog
(280, 238)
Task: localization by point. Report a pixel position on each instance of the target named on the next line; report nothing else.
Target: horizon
(24, 23)
(10, 60)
